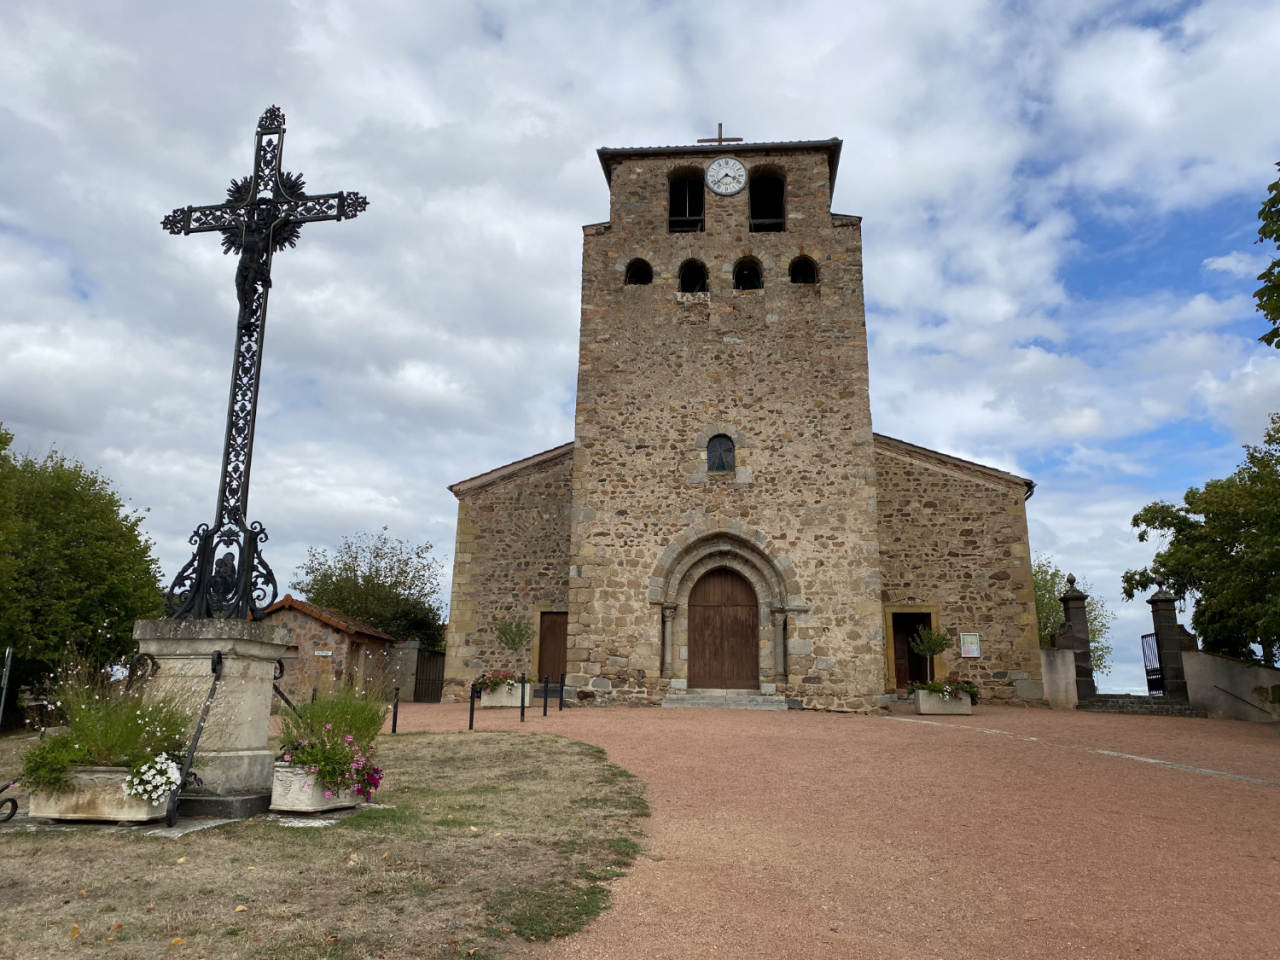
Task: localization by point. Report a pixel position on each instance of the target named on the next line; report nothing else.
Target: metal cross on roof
(263, 214)
(720, 138)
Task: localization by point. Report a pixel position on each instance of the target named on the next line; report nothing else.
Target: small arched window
(685, 211)
(719, 454)
(638, 272)
(804, 270)
(746, 274)
(693, 277)
(768, 206)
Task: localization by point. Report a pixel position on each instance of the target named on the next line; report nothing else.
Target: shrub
(106, 727)
(947, 688)
(333, 737)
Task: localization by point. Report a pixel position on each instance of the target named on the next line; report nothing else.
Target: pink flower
(327, 795)
(287, 758)
(348, 738)
(328, 726)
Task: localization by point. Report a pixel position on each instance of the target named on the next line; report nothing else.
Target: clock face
(726, 176)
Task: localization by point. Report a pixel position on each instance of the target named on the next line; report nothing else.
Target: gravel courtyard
(1013, 833)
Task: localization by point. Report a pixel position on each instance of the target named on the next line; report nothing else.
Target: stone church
(725, 522)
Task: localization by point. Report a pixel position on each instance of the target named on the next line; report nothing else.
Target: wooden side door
(553, 639)
(723, 633)
(909, 666)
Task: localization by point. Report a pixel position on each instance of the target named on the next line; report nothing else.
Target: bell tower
(723, 523)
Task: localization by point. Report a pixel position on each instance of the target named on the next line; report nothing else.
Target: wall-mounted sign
(969, 645)
(329, 653)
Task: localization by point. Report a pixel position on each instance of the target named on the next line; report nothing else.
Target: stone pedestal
(1058, 668)
(232, 759)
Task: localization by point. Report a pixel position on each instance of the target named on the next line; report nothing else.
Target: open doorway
(909, 666)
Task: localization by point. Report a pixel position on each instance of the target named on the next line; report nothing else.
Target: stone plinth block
(232, 757)
(95, 793)
(1058, 668)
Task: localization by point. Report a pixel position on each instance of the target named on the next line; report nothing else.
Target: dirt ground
(1008, 834)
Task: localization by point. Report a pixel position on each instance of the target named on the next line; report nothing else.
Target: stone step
(724, 700)
(1138, 704)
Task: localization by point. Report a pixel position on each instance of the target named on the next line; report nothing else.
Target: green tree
(76, 569)
(1268, 295)
(1051, 584)
(387, 583)
(1221, 547)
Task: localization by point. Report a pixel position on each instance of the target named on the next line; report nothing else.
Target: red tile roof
(333, 618)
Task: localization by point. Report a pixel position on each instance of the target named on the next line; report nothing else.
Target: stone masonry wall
(305, 671)
(511, 558)
(956, 536)
(783, 370)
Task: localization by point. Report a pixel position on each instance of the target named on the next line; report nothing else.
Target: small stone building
(326, 649)
(725, 518)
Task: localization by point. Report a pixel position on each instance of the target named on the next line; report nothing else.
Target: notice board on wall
(969, 646)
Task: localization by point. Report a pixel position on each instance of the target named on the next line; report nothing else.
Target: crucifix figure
(720, 138)
(262, 215)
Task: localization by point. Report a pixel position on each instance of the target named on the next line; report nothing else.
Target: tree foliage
(513, 633)
(1221, 547)
(75, 568)
(1051, 584)
(388, 583)
(1268, 295)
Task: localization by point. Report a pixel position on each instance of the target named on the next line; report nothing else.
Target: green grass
(544, 912)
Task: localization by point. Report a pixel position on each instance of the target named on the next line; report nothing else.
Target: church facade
(725, 520)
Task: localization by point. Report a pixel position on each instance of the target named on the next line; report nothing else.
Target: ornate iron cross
(263, 214)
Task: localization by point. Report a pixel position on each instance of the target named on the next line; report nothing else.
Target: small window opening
(693, 277)
(638, 272)
(685, 212)
(768, 213)
(746, 275)
(719, 454)
(804, 270)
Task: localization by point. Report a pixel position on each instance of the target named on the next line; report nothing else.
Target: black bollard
(546, 692)
(562, 691)
(471, 720)
(395, 710)
(522, 698)
(315, 691)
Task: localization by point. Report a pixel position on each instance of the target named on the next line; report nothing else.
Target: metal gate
(428, 681)
(1151, 659)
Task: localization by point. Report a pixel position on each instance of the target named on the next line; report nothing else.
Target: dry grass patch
(492, 836)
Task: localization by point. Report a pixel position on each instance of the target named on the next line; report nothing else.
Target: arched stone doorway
(723, 630)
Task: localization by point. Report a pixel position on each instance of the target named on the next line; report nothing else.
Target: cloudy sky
(1059, 206)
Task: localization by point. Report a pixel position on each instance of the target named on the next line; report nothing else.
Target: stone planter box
(96, 793)
(507, 696)
(933, 703)
(295, 790)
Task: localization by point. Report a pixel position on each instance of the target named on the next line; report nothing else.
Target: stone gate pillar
(1074, 635)
(232, 759)
(1170, 642)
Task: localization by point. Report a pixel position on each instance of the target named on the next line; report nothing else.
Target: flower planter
(933, 703)
(296, 790)
(507, 695)
(96, 793)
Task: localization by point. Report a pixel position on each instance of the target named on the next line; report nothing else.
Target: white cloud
(1238, 263)
(435, 336)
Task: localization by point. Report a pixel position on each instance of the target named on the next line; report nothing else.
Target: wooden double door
(724, 630)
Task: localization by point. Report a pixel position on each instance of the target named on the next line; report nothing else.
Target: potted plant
(326, 757)
(939, 696)
(118, 758)
(498, 687)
